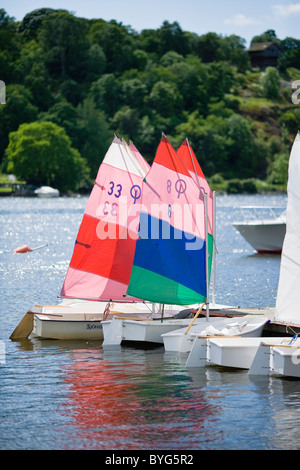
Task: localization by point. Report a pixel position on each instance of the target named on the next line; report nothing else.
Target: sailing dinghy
(285, 359)
(267, 355)
(99, 270)
(174, 251)
(183, 340)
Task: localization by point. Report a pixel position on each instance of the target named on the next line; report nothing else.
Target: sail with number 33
(103, 254)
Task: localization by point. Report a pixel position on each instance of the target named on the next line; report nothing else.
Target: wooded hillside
(92, 78)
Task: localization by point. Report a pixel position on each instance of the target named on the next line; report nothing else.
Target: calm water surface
(76, 395)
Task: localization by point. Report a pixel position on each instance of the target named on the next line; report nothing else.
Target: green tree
(208, 139)
(173, 38)
(134, 92)
(208, 47)
(291, 54)
(96, 62)
(106, 93)
(242, 151)
(32, 21)
(65, 44)
(31, 66)
(267, 36)
(94, 134)
(9, 48)
(165, 98)
(191, 77)
(278, 169)
(18, 109)
(41, 153)
(126, 121)
(270, 82)
(117, 43)
(233, 50)
(65, 115)
(221, 79)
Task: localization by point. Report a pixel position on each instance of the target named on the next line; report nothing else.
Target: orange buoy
(26, 248)
(22, 249)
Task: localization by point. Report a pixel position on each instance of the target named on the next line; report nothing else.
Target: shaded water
(76, 395)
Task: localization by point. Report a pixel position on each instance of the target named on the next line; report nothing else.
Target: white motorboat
(46, 191)
(265, 233)
(182, 339)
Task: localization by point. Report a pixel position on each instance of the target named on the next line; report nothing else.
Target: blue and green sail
(170, 256)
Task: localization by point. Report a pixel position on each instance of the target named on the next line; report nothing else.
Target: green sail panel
(160, 289)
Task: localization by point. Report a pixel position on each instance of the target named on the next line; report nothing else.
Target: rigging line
(133, 158)
(152, 189)
(202, 190)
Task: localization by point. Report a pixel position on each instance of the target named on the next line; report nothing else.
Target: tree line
(71, 83)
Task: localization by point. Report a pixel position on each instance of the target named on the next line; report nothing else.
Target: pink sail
(139, 157)
(188, 157)
(102, 259)
(170, 256)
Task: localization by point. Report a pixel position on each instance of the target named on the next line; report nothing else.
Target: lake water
(75, 395)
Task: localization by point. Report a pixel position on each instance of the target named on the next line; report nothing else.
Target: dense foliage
(83, 80)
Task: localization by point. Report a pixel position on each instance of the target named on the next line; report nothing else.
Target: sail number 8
(180, 187)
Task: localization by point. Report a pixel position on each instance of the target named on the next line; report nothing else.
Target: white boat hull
(83, 320)
(182, 340)
(280, 359)
(147, 331)
(286, 361)
(233, 352)
(151, 331)
(263, 237)
(46, 327)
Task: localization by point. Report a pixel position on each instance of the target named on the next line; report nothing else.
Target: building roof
(262, 46)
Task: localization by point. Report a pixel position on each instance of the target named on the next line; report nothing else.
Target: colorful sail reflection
(170, 257)
(104, 249)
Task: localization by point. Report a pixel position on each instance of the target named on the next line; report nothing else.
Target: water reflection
(84, 397)
(75, 395)
(132, 399)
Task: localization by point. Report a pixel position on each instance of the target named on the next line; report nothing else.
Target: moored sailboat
(99, 270)
(173, 255)
(276, 354)
(285, 359)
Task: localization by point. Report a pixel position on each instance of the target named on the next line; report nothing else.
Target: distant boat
(264, 233)
(46, 191)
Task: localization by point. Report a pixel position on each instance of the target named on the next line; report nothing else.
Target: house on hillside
(264, 54)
